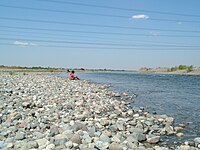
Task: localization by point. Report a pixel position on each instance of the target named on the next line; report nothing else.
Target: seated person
(72, 76)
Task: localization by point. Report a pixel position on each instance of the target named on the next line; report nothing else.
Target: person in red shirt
(72, 76)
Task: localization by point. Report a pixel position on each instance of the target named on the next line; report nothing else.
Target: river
(175, 95)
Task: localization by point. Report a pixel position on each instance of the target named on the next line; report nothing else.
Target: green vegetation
(173, 69)
(181, 67)
(48, 69)
(190, 68)
(12, 69)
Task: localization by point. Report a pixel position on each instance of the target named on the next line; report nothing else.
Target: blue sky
(113, 34)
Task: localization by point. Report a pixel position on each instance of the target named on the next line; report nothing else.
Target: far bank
(179, 70)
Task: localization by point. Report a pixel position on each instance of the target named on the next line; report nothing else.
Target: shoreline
(194, 71)
(169, 73)
(49, 112)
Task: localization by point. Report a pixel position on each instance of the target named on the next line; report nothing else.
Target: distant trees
(12, 67)
(31, 69)
(190, 68)
(181, 67)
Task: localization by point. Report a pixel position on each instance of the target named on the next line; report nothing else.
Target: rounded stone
(76, 139)
(115, 146)
(10, 145)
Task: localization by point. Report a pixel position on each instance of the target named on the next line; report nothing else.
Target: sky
(100, 34)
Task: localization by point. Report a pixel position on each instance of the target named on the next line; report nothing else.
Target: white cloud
(154, 33)
(20, 43)
(140, 17)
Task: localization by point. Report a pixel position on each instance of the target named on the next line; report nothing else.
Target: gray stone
(4, 133)
(91, 130)
(169, 120)
(17, 116)
(53, 131)
(160, 148)
(132, 146)
(69, 144)
(104, 121)
(155, 127)
(149, 123)
(131, 139)
(115, 139)
(115, 146)
(76, 139)
(83, 147)
(153, 139)
(79, 126)
(185, 147)
(60, 147)
(34, 125)
(10, 145)
(139, 136)
(21, 145)
(86, 138)
(190, 143)
(120, 126)
(113, 116)
(32, 144)
(169, 129)
(38, 135)
(179, 134)
(9, 140)
(178, 129)
(42, 143)
(50, 147)
(101, 144)
(104, 138)
(136, 115)
(68, 133)
(70, 106)
(26, 104)
(98, 133)
(113, 127)
(197, 141)
(2, 144)
(135, 130)
(60, 139)
(20, 136)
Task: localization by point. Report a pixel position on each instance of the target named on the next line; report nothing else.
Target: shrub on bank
(181, 67)
(190, 68)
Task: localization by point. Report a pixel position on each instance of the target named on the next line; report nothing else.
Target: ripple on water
(174, 95)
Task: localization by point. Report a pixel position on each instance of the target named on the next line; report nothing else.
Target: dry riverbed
(43, 112)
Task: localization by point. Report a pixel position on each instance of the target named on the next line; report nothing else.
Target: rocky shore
(44, 112)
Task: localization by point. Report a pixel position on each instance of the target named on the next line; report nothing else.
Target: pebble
(115, 146)
(42, 111)
(20, 136)
(42, 143)
(10, 145)
(179, 134)
(76, 139)
(153, 139)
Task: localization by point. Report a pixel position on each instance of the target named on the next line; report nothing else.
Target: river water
(175, 95)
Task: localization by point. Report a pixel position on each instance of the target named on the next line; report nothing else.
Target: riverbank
(173, 70)
(40, 111)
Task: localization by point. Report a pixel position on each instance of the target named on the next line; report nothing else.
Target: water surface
(174, 95)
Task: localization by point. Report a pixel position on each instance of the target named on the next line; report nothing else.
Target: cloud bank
(140, 17)
(20, 43)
